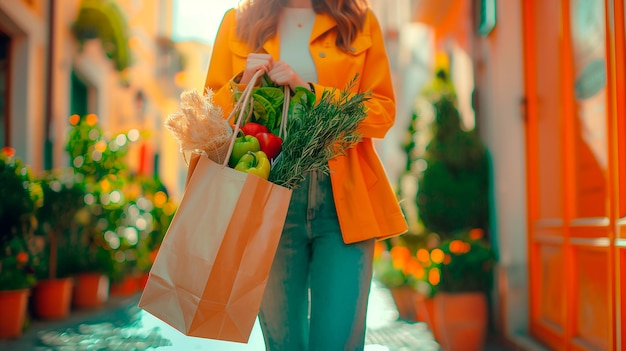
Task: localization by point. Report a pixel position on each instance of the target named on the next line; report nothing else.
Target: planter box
(461, 319)
(90, 290)
(52, 298)
(13, 305)
(404, 298)
(126, 287)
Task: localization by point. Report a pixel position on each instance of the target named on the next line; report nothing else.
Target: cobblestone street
(121, 326)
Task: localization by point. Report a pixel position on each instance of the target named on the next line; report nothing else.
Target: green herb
(318, 132)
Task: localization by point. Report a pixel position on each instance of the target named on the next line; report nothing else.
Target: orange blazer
(366, 204)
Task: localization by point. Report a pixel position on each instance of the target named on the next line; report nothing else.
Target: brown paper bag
(210, 273)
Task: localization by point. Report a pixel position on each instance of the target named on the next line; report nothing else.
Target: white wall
(499, 64)
(410, 60)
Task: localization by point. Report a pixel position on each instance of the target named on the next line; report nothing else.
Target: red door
(574, 72)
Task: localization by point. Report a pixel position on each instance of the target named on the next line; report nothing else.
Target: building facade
(547, 86)
(111, 58)
(550, 103)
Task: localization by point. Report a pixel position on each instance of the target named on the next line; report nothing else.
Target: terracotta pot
(126, 287)
(90, 290)
(13, 306)
(461, 321)
(404, 298)
(425, 307)
(52, 298)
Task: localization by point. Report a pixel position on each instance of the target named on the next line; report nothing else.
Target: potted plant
(100, 162)
(461, 300)
(129, 214)
(398, 270)
(452, 196)
(85, 256)
(430, 256)
(63, 197)
(145, 219)
(18, 254)
(159, 213)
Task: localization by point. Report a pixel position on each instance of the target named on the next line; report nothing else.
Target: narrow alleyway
(121, 326)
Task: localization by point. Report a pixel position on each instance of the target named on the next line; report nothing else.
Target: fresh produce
(318, 131)
(242, 145)
(302, 100)
(270, 144)
(266, 107)
(253, 129)
(255, 163)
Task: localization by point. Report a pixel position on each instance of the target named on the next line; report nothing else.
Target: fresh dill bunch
(318, 134)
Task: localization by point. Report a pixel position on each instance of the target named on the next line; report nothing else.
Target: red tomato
(270, 144)
(253, 129)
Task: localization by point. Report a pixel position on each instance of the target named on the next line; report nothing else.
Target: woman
(317, 292)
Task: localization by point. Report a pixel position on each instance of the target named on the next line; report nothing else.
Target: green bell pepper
(242, 145)
(255, 163)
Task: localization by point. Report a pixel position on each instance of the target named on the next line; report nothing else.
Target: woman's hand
(282, 74)
(254, 63)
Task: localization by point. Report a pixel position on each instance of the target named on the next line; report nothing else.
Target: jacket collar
(323, 23)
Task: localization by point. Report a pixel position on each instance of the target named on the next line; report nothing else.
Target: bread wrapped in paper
(199, 126)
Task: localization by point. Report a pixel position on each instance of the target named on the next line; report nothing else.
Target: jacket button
(322, 54)
(352, 49)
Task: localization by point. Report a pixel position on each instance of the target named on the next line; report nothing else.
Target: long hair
(258, 19)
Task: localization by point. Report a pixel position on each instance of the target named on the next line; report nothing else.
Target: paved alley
(124, 327)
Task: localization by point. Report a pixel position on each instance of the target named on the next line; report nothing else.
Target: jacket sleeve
(375, 79)
(220, 71)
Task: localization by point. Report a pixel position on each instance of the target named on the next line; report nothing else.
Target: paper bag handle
(282, 132)
(244, 100)
(239, 107)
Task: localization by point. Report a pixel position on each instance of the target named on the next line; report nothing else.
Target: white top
(294, 31)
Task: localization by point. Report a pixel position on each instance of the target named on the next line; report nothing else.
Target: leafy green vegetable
(267, 104)
(273, 95)
(302, 100)
(263, 111)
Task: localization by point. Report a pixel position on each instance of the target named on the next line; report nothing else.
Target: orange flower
(434, 277)
(399, 256)
(447, 259)
(74, 119)
(412, 267)
(419, 272)
(92, 119)
(423, 255)
(22, 257)
(9, 151)
(400, 253)
(457, 247)
(476, 234)
(101, 146)
(160, 199)
(437, 256)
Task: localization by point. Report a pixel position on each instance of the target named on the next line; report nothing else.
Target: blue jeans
(317, 291)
